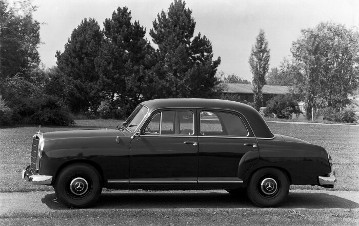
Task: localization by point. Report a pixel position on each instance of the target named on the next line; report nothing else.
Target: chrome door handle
(251, 145)
(191, 142)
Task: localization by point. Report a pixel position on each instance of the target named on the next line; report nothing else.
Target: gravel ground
(305, 207)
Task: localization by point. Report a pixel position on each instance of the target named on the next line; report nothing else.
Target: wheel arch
(282, 169)
(80, 161)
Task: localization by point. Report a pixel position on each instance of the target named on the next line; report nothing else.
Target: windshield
(136, 117)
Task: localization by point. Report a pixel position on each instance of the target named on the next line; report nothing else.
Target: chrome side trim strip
(118, 181)
(163, 182)
(156, 181)
(184, 182)
(221, 182)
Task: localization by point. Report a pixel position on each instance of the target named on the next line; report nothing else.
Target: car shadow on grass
(210, 199)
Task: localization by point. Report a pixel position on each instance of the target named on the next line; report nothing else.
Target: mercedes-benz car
(179, 144)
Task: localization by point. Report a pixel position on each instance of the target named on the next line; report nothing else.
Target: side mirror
(137, 134)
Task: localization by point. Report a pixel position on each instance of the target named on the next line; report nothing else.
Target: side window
(154, 126)
(215, 123)
(185, 123)
(176, 122)
(210, 124)
(167, 123)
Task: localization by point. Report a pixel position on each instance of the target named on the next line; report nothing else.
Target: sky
(231, 25)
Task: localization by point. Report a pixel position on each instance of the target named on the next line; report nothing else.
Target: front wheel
(78, 185)
(268, 187)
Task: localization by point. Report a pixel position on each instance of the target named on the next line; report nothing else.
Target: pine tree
(184, 63)
(259, 63)
(77, 63)
(124, 60)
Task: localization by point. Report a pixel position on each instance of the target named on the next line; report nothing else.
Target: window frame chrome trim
(139, 126)
(238, 114)
(160, 110)
(265, 138)
(227, 137)
(168, 135)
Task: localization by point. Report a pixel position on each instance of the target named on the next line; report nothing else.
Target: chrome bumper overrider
(327, 181)
(35, 178)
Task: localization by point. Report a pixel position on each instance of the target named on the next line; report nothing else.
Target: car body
(179, 144)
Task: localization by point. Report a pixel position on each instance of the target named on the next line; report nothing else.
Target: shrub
(5, 114)
(27, 103)
(248, 103)
(51, 112)
(45, 110)
(104, 110)
(335, 115)
(283, 106)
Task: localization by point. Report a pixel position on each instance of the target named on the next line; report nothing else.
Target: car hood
(86, 142)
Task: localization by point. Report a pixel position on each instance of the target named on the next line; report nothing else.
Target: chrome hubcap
(269, 186)
(78, 186)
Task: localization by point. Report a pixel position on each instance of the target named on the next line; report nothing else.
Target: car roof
(192, 103)
(259, 127)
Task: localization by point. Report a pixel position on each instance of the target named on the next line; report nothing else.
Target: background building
(244, 92)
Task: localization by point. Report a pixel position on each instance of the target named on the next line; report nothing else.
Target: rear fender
(249, 162)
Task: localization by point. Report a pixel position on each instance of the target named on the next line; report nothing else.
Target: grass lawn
(342, 142)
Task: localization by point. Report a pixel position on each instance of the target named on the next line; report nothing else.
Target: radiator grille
(34, 150)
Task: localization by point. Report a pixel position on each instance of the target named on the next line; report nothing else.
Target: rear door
(224, 137)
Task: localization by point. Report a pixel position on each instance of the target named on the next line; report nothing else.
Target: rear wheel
(268, 187)
(78, 185)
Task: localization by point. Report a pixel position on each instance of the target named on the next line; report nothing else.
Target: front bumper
(36, 178)
(327, 181)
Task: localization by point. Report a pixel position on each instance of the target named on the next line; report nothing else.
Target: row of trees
(113, 68)
(323, 69)
(118, 65)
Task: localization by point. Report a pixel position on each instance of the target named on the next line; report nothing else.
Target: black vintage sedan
(179, 144)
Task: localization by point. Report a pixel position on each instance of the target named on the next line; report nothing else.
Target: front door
(166, 150)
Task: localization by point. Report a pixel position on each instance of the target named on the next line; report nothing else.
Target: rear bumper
(327, 181)
(36, 178)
